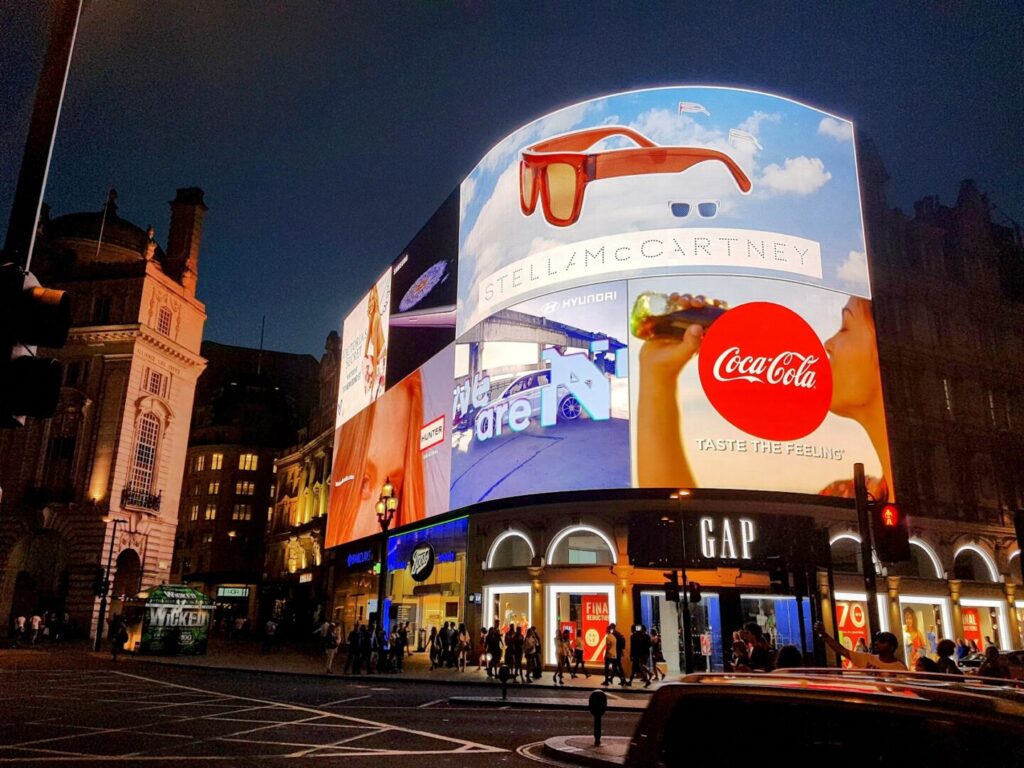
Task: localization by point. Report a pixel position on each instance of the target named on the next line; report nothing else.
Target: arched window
(581, 545)
(846, 555)
(510, 549)
(127, 573)
(922, 564)
(971, 563)
(144, 457)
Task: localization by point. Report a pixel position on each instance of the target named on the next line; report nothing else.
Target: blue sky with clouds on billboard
(800, 162)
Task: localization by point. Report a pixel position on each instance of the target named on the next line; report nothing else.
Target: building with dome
(99, 482)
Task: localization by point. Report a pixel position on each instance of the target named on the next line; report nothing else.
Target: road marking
(431, 703)
(141, 688)
(342, 701)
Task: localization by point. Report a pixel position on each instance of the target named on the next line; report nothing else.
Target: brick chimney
(187, 211)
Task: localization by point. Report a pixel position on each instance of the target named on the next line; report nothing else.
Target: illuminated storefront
(355, 571)
(427, 576)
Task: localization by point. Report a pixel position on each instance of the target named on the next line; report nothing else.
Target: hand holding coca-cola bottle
(672, 327)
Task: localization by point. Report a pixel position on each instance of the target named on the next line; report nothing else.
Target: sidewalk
(248, 655)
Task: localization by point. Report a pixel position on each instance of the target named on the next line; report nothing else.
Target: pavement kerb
(573, 703)
(580, 749)
(395, 678)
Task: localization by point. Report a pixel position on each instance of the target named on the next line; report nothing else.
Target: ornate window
(155, 383)
(144, 456)
(163, 321)
(216, 461)
(247, 461)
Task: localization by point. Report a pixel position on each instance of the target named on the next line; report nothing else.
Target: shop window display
(779, 619)
(984, 622)
(509, 606)
(586, 611)
(923, 625)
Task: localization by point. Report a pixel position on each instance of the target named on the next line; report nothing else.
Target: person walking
(269, 634)
(399, 641)
(578, 664)
(563, 650)
(481, 652)
(620, 651)
(639, 651)
(609, 654)
(35, 624)
(463, 648)
(120, 637)
(351, 663)
(518, 647)
(493, 651)
(530, 643)
(657, 656)
(432, 648)
(332, 638)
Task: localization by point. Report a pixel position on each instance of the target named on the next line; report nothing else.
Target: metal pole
(384, 524)
(870, 588)
(106, 588)
(35, 162)
(685, 592)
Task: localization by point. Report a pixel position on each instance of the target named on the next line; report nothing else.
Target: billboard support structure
(870, 586)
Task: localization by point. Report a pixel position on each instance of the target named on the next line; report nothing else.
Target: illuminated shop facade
(527, 377)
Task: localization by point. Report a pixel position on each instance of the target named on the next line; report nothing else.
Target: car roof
(978, 696)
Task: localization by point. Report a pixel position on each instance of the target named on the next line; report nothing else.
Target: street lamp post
(106, 582)
(386, 506)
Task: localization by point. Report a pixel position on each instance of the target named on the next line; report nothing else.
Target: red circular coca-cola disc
(764, 369)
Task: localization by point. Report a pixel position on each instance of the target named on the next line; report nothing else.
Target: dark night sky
(325, 134)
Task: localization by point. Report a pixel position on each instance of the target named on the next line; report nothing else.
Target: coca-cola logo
(421, 562)
(766, 372)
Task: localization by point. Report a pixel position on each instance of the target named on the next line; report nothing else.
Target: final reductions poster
(595, 624)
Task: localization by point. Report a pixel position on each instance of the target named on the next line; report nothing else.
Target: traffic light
(99, 582)
(778, 574)
(889, 528)
(694, 591)
(30, 316)
(672, 586)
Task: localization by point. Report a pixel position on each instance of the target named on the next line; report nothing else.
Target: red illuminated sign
(766, 372)
(890, 516)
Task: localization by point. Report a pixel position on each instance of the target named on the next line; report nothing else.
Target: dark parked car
(828, 720)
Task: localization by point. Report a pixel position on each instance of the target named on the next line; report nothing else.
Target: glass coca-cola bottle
(667, 316)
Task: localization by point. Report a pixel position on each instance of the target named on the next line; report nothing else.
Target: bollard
(503, 674)
(598, 705)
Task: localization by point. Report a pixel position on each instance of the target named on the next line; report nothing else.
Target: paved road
(75, 708)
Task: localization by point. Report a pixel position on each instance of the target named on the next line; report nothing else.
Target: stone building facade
(250, 403)
(100, 480)
(296, 573)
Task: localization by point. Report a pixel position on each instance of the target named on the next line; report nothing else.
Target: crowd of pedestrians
(41, 626)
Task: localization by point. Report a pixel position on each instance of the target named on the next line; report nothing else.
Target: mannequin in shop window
(913, 638)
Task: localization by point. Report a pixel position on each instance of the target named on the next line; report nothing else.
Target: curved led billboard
(665, 288)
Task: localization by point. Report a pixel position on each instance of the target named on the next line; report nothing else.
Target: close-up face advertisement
(664, 288)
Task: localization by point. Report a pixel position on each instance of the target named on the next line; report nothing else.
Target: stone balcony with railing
(131, 497)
